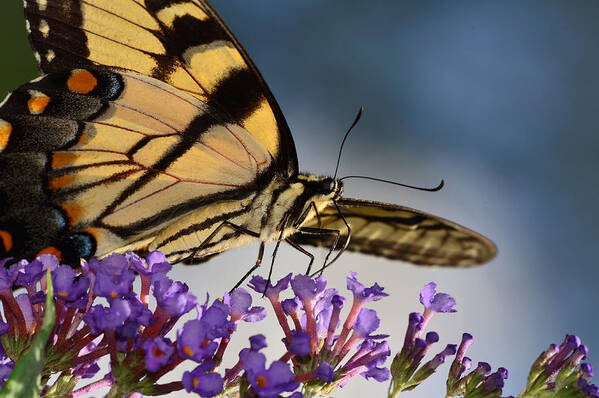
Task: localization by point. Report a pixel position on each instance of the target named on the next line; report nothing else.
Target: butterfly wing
(182, 43)
(399, 233)
(93, 159)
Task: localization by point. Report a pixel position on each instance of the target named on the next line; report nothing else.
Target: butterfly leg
(345, 244)
(304, 251)
(304, 215)
(322, 232)
(210, 237)
(258, 263)
(274, 253)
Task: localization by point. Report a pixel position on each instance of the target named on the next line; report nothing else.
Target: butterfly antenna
(435, 189)
(358, 116)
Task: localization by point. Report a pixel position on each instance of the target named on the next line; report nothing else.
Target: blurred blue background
(499, 98)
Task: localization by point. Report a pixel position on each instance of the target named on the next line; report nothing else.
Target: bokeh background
(499, 98)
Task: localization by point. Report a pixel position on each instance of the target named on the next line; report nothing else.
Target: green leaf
(24, 381)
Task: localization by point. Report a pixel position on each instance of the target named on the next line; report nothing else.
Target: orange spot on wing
(5, 130)
(38, 102)
(61, 159)
(82, 81)
(51, 250)
(60, 182)
(6, 238)
(73, 211)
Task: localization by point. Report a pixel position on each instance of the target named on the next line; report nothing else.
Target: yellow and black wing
(182, 43)
(94, 159)
(150, 111)
(398, 233)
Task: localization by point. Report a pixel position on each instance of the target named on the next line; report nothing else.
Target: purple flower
(156, 266)
(257, 342)
(158, 352)
(436, 302)
(174, 297)
(258, 284)
(292, 306)
(240, 301)
(308, 289)
(217, 323)
(362, 293)
(325, 372)
(586, 368)
(113, 277)
(32, 272)
(267, 382)
(378, 374)
(202, 383)
(193, 342)
(69, 285)
(8, 275)
(100, 318)
(366, 323)
(300, 344)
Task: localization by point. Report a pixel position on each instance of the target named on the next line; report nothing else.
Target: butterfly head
(321, 189)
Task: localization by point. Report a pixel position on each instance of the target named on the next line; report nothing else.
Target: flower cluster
(480, 382)
(558, 371)
(406, 371)
(100, 311)
(99, 314)
(321, 358)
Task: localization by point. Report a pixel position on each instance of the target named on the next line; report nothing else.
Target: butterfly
(152, 129)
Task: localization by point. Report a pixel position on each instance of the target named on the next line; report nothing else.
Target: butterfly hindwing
(182, 43)
(92, 156)
(399, 233)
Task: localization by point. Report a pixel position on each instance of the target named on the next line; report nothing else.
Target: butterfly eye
(328, 185)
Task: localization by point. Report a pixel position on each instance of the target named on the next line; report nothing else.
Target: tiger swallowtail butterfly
(152, 129)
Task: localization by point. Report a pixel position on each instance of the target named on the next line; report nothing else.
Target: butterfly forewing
(398, 233)
(182, 43)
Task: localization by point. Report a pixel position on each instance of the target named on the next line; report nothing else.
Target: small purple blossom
(308, 289)
(203, 383)
(174, 297)
(100, 318)
(193, 342)
(268, 383)
(362, 293)
(257, 342)
(325, 372)
(31, 273)
(300, 344)
(158, 352)
(259, 285)
(366, 323)
(436, 302)
(240, 301)
(113, 277)
(69, 285)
